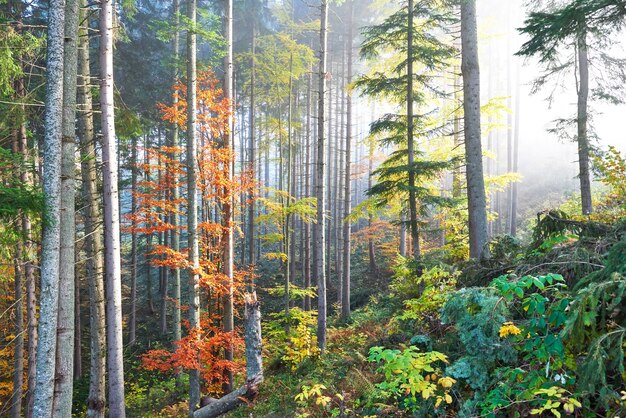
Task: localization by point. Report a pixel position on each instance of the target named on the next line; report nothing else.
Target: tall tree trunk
(192, 199)
(583, 139)
(132, 311)
(50, 248)
(18, 352)
(251, 146)
(64, 379)
(415, 237)
(175, 189)
(307, 193)
(228, 215)
(93, 234)
(112, 261)
(345, 302)
(513, 210)
(148, 250)
(78, 330)
(287, 232)
(477, 201)
(319, 259)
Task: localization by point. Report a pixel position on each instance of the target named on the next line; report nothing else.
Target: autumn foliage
(201, 348)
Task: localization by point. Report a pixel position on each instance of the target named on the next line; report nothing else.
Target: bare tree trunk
(415, 238)
(252, 146)
(583, 139)
(78, 331)
(513, 215)
(307, 193)
(228, 216)
(345, 302)
(112, 261)
(175, 189)
(93, 235)
(192, 200)
(288, 235)
(64, 379)
(319, 261)
(50, 251)
(18, 351)
(132, 314)
(477, 201)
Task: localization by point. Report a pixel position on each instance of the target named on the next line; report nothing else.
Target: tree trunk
(112, 262)
(513, 214)
(50, 248)
(415, 238)
(228, 216)
(93, 235)
(477, 205)
(251, 147)
(132, 311)
(319, 258)
(192, 200)
(175, 190)
(345, 284)
(583, 139)
(288, 236)
(307, 193)
(64, 378)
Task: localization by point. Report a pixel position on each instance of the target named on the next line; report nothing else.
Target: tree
(112, 258)
(579, 24)
(93, 231)
(50, 247)
(476, 196)
(319, 260)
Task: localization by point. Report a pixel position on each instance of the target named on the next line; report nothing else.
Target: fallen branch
(254, 365)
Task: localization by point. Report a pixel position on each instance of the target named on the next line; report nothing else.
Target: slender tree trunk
(583, 139)
(93, 235)
(148, 250)
(49, 297)
(307, 193)
(63, 382)
(251, 147)
(228, 215)
(345, 302)
(132, 314)
(112, 261)
(415, 238)
(288, 235)
(192, 200)
(175, 188)
(319, 261)
(477, 201)
(513, 221)
(78, 331)
(18, 353)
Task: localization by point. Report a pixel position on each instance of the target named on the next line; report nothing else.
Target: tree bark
(319, 261)
(64, 379)
(93, 233)
(49, 297)
(228, 215)
(476, 197)
(112, 261)
(252, 146)
(415, 238)
(583, 139)
(132, 310)
(345, 301)
(307, 193)
(192, 199)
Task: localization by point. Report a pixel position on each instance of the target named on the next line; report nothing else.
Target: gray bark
(176, 191)
(345, 283)
(583, 138)
(50, 249)
(473, 148)
(192, 199)
(112, 261)
(64, 379)
(93, 234)
(319, 261)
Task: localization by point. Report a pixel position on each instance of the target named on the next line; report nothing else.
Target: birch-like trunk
(50, 247)
(476, 197)
(112, 261)
(227, 209)
(192, 200)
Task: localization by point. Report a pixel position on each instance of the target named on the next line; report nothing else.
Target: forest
(324, 208)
